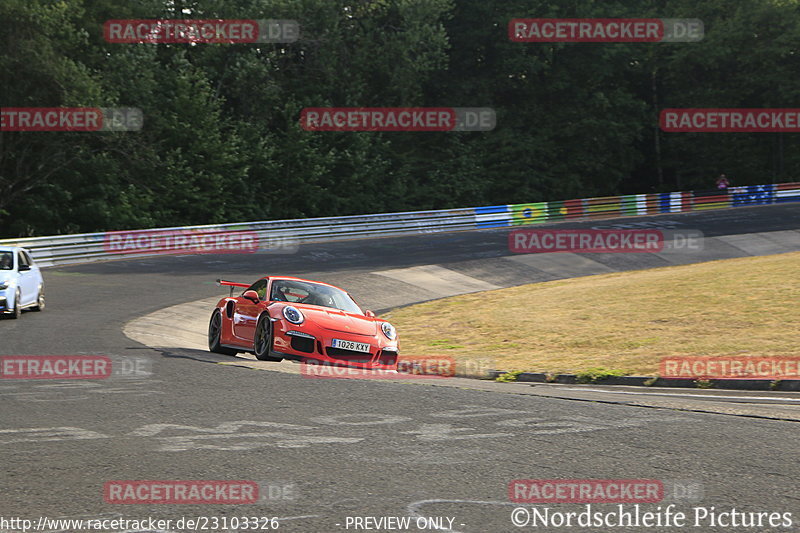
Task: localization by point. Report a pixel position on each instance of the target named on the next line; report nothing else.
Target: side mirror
(24, 268)
(251, 295)
(369, 314)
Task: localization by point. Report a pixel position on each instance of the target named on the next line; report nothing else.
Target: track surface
(348, 448)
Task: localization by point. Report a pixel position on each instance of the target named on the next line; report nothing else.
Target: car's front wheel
(39, 300)
(215, 334)
(17, 311)
(262, 340)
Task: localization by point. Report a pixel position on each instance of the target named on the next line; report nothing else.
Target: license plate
(350, 345)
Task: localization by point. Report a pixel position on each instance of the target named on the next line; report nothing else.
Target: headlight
(293, 315)
(4, 284)
(388, 330)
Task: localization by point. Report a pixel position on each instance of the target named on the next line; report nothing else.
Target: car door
(28, 279)
(245, 312)
(36, 275)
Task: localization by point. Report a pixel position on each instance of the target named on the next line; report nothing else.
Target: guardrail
(281, 236)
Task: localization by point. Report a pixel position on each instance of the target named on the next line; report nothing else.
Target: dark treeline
(222, 140)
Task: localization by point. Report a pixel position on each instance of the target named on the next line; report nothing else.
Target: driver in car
(6, 261)
(277, 294)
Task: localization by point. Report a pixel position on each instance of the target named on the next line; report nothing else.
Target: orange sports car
(282, 317)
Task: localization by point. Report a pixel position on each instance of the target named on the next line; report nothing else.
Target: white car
(21, 283)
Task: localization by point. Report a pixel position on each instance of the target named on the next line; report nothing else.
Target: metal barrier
(282, 235)
(277, 236)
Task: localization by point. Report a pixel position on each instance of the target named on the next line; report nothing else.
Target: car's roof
(10, 248)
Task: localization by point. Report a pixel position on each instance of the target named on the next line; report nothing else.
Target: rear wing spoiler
(231, 284)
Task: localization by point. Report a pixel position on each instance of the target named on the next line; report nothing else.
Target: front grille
(303, 344)
(348, 355)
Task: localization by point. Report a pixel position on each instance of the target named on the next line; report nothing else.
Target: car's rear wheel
(215, 334)
(17, 311)
(262, 340)
(39, 300)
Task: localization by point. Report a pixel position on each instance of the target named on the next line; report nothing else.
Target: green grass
(625, 320)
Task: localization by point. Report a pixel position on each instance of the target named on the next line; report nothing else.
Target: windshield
(313, 294)
(6, 261)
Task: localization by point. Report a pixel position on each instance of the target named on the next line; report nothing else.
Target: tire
(214, 333)
(262, 340)
(17, 309)
(39, 301)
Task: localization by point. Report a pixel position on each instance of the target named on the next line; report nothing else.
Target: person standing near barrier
(723, 183)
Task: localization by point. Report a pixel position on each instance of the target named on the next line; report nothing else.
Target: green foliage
(597, 374)
(510, 376)
(222, 141)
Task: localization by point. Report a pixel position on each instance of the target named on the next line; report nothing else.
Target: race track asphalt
(348, 448)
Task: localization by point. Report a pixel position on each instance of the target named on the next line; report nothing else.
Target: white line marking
(280, 440)
(226, 427)
(336, 420)
(688, 394)
(470, 411)
(48, 434)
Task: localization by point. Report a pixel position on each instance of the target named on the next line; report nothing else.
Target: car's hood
(336, 320)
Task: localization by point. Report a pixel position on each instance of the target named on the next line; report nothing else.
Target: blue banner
(484, 216)
(752, 195)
